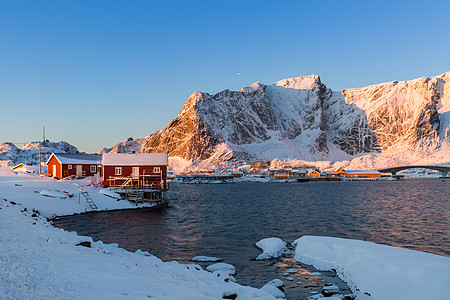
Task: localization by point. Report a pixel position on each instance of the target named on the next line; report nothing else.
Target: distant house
(5, 163)
(286, 173)
(135, 169)
(299, 174)
(358, 173)
(280, 173)
(60, 165)
(314, 174)
(237, 173)
(329, 174)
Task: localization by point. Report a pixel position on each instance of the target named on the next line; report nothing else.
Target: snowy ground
(38, 261)
(383, 272)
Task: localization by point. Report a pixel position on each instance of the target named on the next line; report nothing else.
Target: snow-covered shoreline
(39, 261)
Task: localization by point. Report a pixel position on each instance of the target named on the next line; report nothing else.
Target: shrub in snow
(271, 247)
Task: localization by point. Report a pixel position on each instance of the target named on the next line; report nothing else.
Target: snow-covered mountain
(128, 146)
(300, 118)
(258, 122)
(29, 153)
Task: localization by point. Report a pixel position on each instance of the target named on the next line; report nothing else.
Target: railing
(141, 182)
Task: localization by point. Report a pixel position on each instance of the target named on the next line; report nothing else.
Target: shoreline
(23, 243)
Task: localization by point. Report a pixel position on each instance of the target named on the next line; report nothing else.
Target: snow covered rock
(223, 268)
(271, 247)
(382, 271)
(206, 259)
(329, 290)
(274, 291)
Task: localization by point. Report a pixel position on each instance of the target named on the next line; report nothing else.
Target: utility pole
(39, 158)
(43, 141)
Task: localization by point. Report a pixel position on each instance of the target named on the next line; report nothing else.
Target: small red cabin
(144, 170)
(60, 165)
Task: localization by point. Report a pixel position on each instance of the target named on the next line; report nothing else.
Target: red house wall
(109, 171)
(50, 165)
(65, 169)
(85, 167)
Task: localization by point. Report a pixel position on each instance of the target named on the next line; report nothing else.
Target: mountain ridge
(301, 118)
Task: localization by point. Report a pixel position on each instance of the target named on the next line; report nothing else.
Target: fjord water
(226, 220)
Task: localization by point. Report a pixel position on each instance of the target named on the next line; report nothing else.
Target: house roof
(135, 159)
(300, 171)
(80, 159)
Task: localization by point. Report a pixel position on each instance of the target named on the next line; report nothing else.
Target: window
(118, 171)
(69, 167)
(93, 169)
(156, 170)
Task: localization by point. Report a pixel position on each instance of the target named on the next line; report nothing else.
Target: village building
(6, 163)
(362, 174)
(314, 174)
(329, 174)
(143, 170)
(341, 172)
(299, 174)
(280, 173)
(287, 173)
(61, 165)
(237, 174)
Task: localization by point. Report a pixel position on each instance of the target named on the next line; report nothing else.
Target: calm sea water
(226, 220)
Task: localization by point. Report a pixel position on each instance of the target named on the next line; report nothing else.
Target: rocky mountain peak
(301, 118)
(309, 82)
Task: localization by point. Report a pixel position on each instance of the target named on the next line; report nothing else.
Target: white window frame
(118, 171)
(69, 167)
(93, 169)
(156, 170)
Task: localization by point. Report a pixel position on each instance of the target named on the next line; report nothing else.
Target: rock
(292, 271)
(277, 282)
(330, 290)
(223, 268)
(274, 291)
(85, 244)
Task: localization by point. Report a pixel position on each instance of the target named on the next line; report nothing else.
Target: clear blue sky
(97, 72)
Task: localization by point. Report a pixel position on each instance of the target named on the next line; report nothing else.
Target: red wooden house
(60, 165)
(143, 170)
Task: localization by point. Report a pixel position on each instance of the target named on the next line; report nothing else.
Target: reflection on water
(227, 220)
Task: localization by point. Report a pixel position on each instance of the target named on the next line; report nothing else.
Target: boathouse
(60, 165)
(143, 170)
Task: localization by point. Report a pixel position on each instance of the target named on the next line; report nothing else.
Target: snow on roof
(300, 171)
(135, 159)
(87, 159)
(362, 172)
